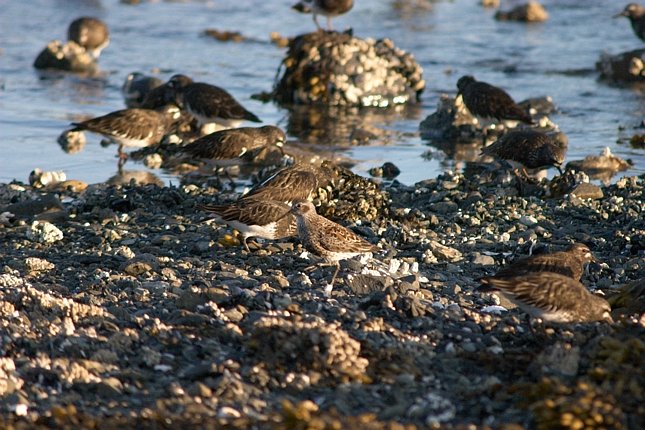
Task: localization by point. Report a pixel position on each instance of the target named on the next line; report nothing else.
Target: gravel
(140, 315)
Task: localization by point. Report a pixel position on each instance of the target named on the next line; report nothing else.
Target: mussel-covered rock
(332, 68)
(624, 67)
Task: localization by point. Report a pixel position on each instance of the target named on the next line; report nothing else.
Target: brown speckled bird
(551, 297)
(569, 262)
(488, 102)
(326, 8)
(235, 145)
(636, 15)
(208, 103)
(255, 218)
(530, 148)
(134, 127)
(326, 239)
(90, 33)
(291, 183)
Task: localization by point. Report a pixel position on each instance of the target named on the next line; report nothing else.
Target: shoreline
(141, 315)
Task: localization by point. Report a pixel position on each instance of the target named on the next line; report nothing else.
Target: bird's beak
(618, 15)
(285, 214)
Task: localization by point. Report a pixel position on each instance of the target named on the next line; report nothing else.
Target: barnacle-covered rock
(351, 197)
(338, 69)
(68, 56)
(450, 122)
(573, 407)
(603, 166)
(528, 12)
(624, 67)
(307, 347)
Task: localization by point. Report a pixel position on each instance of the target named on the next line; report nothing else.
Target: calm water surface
(451, 39)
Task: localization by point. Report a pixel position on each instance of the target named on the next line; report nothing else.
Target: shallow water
(453, 38)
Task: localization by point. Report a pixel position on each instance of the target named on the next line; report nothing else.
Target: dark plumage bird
(255, 218)
(570, 262)
(326, 239)
(551, 297)
(326, 8)
(636, 15)
(488, 102)
(208, 103)
(291, 183)
(134, 127)
(90, 33)
(136, 88)
(530, 148)
(233, 146)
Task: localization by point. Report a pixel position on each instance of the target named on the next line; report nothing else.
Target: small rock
(141, 264)
(444, 252)
(587, 191)
(528, 220)
(483, 260)
(33, 264)
(44, 232)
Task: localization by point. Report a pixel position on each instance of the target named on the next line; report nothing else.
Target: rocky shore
(121, 307)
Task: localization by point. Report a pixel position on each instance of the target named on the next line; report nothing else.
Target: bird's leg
(246, 245)
(230, 179)
(122, 157)
(333, 278)
(559, 169)
(329, 23)
(316, 21)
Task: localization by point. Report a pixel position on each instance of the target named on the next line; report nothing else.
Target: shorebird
(90, 33)
(208, 103)
(551, 297)
(489, 103)
(330, 241)
(327, 8)
(570, 263)
(233, 146)
(291, 183)
(136, 88)
(636, 15)
(255, 218)
(134, 127)
(530, 148)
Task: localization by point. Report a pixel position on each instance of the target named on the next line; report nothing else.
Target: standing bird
(636, 15)
(327, 8)
(550, 296)
(296, 182)
(134, 127)
(136, 88)
(208, 103)
(233, 146)
(326, 239)
(255, 218)
(532, 149)
(489, 103)
(90, 33)
(570, 263)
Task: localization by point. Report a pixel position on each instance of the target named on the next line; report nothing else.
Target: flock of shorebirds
(546, 286)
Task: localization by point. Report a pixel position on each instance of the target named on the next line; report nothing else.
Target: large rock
(624, 67)
(69, 57)
(338, 69)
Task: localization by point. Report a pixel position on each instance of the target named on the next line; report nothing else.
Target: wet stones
(337, 69)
